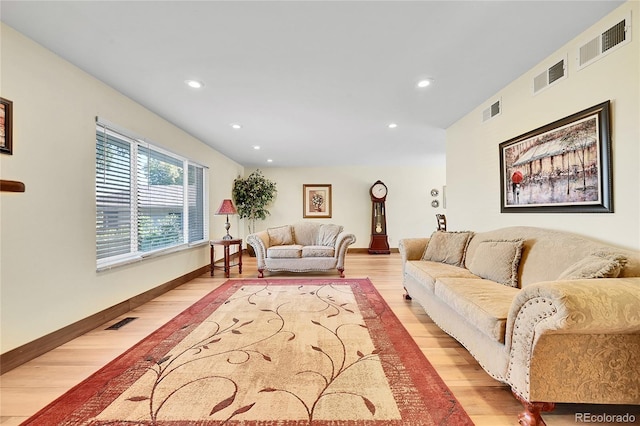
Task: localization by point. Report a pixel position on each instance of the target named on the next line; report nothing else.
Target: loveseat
(302, 247)
(554, 315)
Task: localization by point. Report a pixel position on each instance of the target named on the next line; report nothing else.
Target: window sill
(114, 263)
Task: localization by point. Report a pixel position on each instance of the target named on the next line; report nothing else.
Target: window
(147, 199)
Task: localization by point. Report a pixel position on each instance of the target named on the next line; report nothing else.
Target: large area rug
(269, 352)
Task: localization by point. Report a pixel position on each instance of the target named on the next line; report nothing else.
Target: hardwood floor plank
(27, 388)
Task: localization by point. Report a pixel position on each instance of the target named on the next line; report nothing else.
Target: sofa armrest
(412, 248)
(260, 243)
(343, 241)
(548, 320)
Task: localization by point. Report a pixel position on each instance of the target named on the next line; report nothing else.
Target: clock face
(379, 190)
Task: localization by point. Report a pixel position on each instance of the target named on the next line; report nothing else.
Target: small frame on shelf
(6, 126)
(563, 167)
(316, 200)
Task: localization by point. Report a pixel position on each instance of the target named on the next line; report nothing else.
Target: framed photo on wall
(316, 201)
(563, 167)
(6, 126)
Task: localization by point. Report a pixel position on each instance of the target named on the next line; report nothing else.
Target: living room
(49, 266)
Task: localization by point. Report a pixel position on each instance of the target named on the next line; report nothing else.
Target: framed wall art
(563, 167)
(6, 126)
(316, 201)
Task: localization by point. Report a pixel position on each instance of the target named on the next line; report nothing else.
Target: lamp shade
(226, 207)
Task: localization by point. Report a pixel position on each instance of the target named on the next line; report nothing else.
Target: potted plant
(251, 196)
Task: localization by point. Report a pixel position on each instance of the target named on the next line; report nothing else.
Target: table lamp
(227, 208)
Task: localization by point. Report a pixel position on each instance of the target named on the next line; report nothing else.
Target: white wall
(47, 252)
(473, 171)
(409, 211)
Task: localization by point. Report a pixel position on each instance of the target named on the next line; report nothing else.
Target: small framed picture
(316, 201)
(6, 128)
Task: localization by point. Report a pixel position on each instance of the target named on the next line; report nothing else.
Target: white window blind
(114, 215)
(147, 199)
(197, 206)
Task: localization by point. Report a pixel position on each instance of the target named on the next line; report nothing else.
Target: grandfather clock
(379, 243)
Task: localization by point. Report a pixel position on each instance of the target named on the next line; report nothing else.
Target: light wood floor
(26, 389)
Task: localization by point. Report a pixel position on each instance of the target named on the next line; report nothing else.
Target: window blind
(198, 226)
(160, 200)
(147, 199)
(113, 195)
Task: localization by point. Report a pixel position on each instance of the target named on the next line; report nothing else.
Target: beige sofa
(302, 247)
(554, 315)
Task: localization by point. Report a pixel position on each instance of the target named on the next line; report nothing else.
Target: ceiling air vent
(616, 36)
(492, 111)
(549, 76)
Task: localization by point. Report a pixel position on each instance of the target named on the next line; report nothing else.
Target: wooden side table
(227, 265)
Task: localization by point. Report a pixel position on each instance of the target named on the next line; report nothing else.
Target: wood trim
(364, 250)
(18, 356)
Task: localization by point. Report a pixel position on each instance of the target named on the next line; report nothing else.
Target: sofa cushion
(483, 303)
(306, 233)
(318, 251)
(447, 247)
(427, 272)
(328, 234)
(498, 260)
(288, 251)
(599, 264)
(280, 236)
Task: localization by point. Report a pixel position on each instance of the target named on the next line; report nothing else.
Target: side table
(227, 265)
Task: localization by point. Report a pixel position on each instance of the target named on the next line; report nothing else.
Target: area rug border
(434, 392)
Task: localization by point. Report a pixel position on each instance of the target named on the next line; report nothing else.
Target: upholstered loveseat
(302, 247)
(554, 315)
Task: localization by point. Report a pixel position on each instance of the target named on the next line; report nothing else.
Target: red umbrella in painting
(516, 177)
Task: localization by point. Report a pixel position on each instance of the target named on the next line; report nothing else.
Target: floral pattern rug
(269, 352)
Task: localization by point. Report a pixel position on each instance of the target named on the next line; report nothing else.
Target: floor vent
(551, 75)
(492, 111)
(608, 41)
(121, 323)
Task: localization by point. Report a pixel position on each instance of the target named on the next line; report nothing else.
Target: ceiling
(312, 83)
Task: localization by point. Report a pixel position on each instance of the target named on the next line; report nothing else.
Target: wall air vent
(608, 41)
(492, 111)
(549, 76)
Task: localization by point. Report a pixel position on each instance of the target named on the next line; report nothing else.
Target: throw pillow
(599, 264)
(447, 247)
(280, 236)
(328, 234)
(498, 260)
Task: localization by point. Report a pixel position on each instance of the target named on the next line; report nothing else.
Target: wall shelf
(11, 186)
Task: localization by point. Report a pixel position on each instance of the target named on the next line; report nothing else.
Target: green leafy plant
(252, 196)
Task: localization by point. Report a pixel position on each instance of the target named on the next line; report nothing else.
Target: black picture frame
(563, 167)
(6, 126)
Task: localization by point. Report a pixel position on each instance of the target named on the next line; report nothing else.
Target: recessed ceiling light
(392, 125)
(194, 84)
(424, 83)
(236, 126)
(256, 147)
(269, 160)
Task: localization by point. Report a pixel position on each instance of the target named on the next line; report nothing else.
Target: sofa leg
(531, 414)
(406, 295)
(341, 270)
(260, 273)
